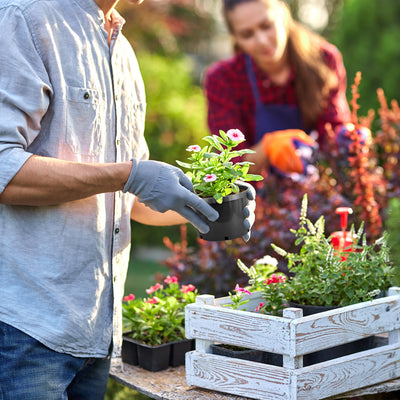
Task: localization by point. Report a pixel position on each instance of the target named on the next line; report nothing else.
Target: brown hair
(314, 79)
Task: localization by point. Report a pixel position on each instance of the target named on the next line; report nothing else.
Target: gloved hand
(248, 211)
(283, 149)
(164, 187)
(345, 131)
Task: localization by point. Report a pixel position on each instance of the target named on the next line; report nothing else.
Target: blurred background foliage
(367, 33)
(175, 40)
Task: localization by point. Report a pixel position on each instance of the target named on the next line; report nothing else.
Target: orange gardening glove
(282, 149)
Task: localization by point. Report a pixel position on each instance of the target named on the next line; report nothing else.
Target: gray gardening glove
(249, 209)
(163, 187)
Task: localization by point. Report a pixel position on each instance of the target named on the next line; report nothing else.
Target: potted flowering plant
(221, 181)
(323, 275)
(154, 327)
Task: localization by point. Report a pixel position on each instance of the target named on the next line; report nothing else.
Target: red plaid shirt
(231, 103)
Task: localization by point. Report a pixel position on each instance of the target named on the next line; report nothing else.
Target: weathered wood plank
(255, 331)
(348, 373)
(240, 377)
(347, 324)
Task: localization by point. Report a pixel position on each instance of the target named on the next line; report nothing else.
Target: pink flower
(210, 178)
(130, 297)
(153, 300)
(239, 289)
(258, 308)
(275, 279)
(188, 288)
(194, 147)
(235, 134)
(171, 279)
(154, 288)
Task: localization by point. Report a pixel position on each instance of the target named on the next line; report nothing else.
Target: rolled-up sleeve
(25, 92)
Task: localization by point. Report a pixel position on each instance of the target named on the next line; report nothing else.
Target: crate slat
(241, 328)
(346, 324)
(239, 377)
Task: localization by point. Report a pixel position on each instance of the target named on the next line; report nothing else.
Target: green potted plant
(154, 327)
(221, 181)
(323, 276)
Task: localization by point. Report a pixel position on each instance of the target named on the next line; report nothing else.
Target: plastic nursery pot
(234, 352)
(230, 224)
(129, 350)
(179, 350)
(154, 358)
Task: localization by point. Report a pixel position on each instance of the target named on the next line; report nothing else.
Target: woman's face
(259, 31)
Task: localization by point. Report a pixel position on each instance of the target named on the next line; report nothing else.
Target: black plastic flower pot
(129, 351)
(154, 358)
(233, 352)
(178, 351)
(230, 224)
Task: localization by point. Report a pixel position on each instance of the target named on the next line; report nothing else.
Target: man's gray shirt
(65, 93)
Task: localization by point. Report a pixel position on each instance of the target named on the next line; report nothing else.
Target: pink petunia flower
(171, 279)
(239, 289)
(188, 288)
(275, 279)
(210, 178)
(153, 300)
(194, 147)
(130, 297)
(235, 134)
(154, 288)
(258, 308)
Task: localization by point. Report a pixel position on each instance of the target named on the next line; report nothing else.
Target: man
(73, 160)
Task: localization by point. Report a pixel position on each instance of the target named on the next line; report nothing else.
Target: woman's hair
(314, 79)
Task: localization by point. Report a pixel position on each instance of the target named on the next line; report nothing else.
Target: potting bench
(170, 384)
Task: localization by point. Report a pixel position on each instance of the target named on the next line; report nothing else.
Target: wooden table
(170, 384)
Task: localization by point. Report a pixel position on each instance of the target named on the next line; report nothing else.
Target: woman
(283, 81)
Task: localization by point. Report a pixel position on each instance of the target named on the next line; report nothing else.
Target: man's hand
(282, 149)
(164, 187)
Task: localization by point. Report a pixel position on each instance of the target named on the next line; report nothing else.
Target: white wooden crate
(292, 336)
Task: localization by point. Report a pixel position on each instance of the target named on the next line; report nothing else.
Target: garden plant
(322, 273)
(212, 168)
(159, 318)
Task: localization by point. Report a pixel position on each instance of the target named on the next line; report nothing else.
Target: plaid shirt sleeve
(337, 110)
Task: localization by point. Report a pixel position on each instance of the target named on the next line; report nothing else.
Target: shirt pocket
(84, 121)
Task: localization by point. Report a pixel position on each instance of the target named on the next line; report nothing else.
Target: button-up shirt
(70, 91)
(231, 102)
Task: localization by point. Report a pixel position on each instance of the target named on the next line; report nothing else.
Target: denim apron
(271, 117)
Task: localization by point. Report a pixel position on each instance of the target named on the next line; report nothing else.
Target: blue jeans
(31, 371)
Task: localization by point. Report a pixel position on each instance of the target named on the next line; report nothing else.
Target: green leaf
(183, 164)
(218, 198)
(223, 135)
(252, 177)
(213, 141)
(210, 155)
